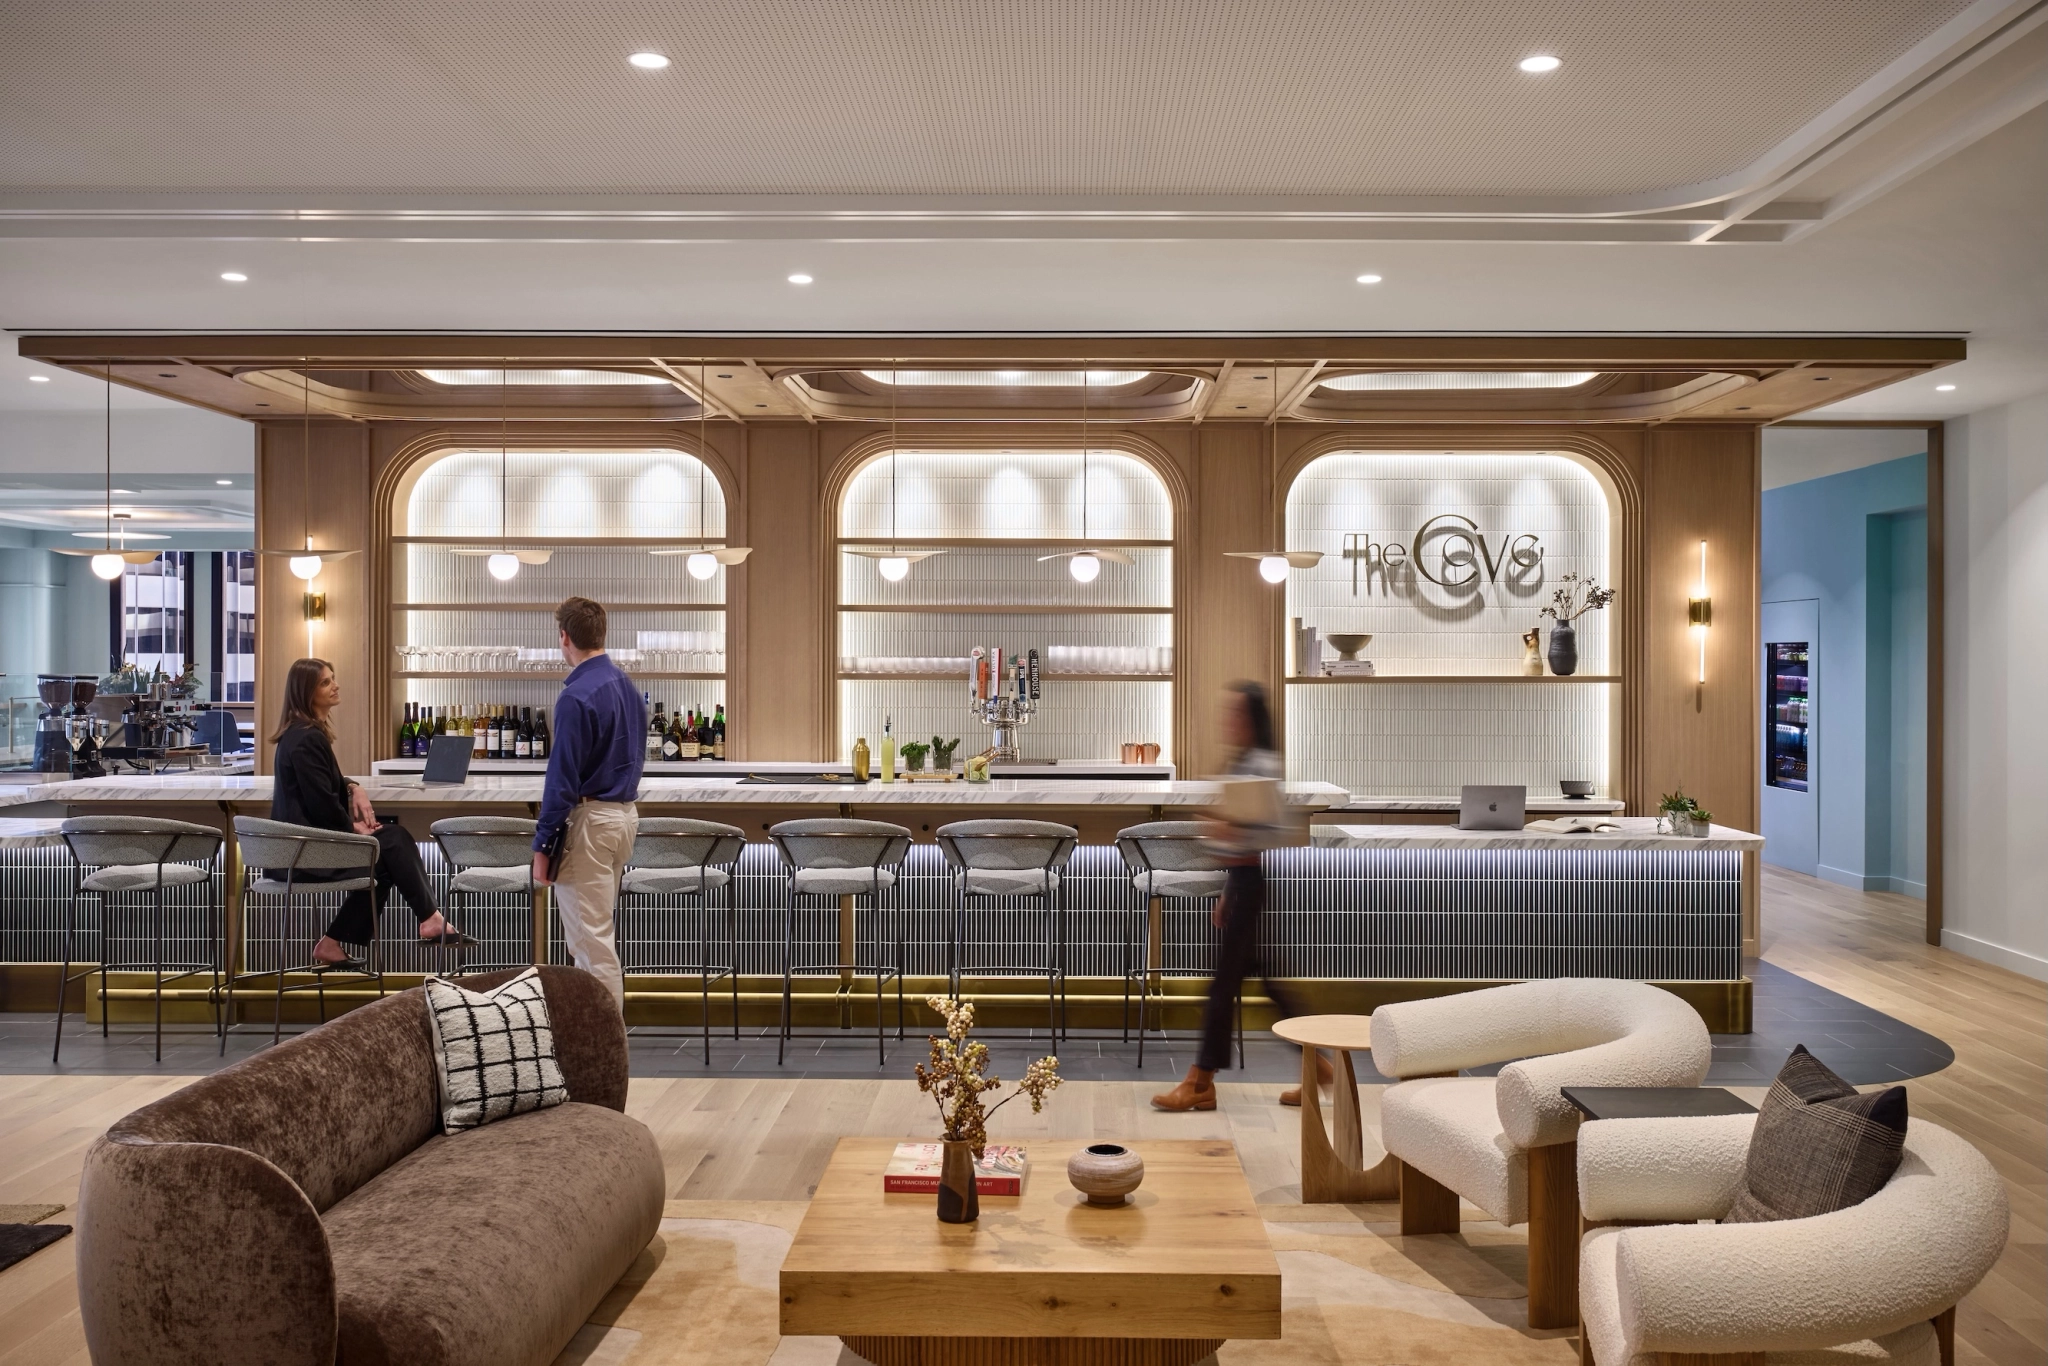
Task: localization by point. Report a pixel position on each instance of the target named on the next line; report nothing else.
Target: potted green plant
(913, 755)
(942, 754)
(1573, 598)
(1684, 816)
(956, 1076)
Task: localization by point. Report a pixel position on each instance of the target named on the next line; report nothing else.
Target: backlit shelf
(1456, 678)
(516, 675)
(551, 606)
(1008, 609)
(1043, 677)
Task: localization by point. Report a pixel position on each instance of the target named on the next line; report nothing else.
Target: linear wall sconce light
(1699, 615)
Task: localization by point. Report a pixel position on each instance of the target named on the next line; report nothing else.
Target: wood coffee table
(1333, 1169)
(1042, 1279)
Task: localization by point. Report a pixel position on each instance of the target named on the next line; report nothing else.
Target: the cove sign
(1451, 551)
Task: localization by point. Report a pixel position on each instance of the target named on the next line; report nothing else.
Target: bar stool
(993, 859)
(294, 850)
(674, 859)
(490, 856)
(839, 860)
(116, 856)
(1168, 861)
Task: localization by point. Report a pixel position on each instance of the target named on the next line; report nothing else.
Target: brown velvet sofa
(303, 1206)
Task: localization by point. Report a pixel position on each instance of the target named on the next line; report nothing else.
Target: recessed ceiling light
(1944, 388)
(648, 61)
(799, 279)
(126, 491)
(225, 483)
(1539, 64)
(38, 379)
(234, 277)
(1368, 279)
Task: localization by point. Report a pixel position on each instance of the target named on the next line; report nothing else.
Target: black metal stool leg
(159, 964)
(284, 917)
(64, 976)
(732, 946)
(788, 930)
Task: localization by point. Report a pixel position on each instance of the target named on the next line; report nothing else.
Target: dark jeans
(1237, 957)
(398, 865)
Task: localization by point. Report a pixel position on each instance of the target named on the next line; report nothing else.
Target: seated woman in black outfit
(308, 789)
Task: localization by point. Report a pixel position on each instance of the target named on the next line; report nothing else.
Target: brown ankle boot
(1325, 1074)
(1197, 1091)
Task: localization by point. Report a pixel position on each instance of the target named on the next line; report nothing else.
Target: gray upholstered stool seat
(675, 865)
(489, 856)
(1167, 861)
(278, 855)
(993, 859)
(116, 856)
(672, 881)
(844, 860)
(143, 877)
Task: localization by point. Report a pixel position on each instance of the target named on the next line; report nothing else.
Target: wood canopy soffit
(1635, 379)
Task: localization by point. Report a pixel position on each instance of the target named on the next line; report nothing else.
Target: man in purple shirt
(593, 777)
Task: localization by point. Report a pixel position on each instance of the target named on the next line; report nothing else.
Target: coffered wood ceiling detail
(1669, 121)
(1639, 379)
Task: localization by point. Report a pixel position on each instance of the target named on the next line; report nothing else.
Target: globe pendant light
(304, 562)
(1086, 565)
(1274, 564)
(894, 563)
(705, 559)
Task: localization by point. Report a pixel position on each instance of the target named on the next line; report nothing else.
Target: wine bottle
(541, 738)
(718, 734)
(440, 722)
(479, 735)
(405, 733)
(496, 748)
(704, 741)
(522, 738)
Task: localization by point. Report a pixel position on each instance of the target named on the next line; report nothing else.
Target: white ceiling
(1798, 166)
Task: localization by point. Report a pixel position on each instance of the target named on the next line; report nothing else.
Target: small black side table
(1655, 1102)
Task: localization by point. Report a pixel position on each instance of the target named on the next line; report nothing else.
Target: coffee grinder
(85, 729)
(53, 730)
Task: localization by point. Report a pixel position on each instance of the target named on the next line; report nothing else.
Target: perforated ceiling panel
(944, 97)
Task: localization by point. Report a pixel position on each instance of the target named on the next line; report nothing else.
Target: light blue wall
(54, 617)
(1857, 543)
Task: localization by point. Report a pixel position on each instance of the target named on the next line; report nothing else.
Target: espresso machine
(154, 727)
(67, 734)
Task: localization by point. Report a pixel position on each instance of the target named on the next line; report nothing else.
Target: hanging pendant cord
(1084, 452)
(703, 446)
(306, 451)
(504, 458)
(110, 456)
(893, 386)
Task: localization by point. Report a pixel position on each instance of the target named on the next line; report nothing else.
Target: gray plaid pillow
(494, 1052)
(1819, 1144)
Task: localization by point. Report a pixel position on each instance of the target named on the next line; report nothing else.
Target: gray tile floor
(1864, 1045)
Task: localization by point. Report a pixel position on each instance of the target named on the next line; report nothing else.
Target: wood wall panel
(779, 624)
(336, 510)
(1229, 626)
(1701, 482)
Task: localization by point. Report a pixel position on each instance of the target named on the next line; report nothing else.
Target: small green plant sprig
(942, 752)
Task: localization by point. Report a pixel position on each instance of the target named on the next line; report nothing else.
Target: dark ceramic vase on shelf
(1564, 650)
(959, 1202)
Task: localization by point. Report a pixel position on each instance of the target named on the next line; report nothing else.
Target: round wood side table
(1333, 1169)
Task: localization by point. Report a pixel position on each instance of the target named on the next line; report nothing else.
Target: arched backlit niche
(609, 524)
(1445, 560)
(1105, 646)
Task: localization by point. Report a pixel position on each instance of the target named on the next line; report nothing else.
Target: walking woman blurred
(308, 789)
(1248, 730)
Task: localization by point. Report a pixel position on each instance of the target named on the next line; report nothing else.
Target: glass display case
(1791, 714)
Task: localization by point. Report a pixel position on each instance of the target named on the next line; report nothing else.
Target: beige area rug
(27, 1214)
(1355, 1293)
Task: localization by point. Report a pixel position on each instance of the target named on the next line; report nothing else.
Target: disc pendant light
(304, 561)
(704, 558)
(503, 562)
(894, 563)
(1274, 564)
(1086, 565)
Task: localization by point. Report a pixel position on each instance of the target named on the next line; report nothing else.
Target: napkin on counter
(1575, 825)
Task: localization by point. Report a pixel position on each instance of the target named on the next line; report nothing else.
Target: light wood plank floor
(768, 1139)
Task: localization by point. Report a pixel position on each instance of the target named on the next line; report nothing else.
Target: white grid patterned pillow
(494, 1052)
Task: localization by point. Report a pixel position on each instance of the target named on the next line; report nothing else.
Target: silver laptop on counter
(1491, 808)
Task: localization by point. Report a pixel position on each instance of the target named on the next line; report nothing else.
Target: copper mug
(1148, 753)
(1131, 751)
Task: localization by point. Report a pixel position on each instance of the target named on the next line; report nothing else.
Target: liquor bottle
(479, 735)
(861, 758)
(542, 741)
(496, 748)
(672, 740)
(888, 750)
(718, 734)
(657, 731)
(405, 734)
(684, 730)
(705, 743)
(522, 735)
(440, 721)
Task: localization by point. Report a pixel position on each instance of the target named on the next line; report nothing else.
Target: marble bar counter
(1637, 832)
(1443, 810)
(1062, 771)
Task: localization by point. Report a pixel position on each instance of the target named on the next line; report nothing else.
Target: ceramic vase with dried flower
(955, 1075)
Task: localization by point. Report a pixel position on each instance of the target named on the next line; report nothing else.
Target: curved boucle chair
(1505, 1143)
(1874, 1283)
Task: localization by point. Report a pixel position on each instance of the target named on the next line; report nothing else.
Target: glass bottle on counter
(405, 733)
(479, 735)
(888, 750)
(657, 730)
(672, 739)
(495, 749)
(684, 731)
(542, 741)
(522, 735)
(440, 722)
(718, 734)
(705, 745)
(861, 758)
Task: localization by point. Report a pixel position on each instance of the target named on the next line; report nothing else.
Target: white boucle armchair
(1874, 1283)
(1505, 1143)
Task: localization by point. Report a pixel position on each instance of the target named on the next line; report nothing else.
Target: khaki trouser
(594, 855)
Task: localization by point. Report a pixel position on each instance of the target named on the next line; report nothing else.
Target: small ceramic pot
(1105, 1173)
(959, 1201)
